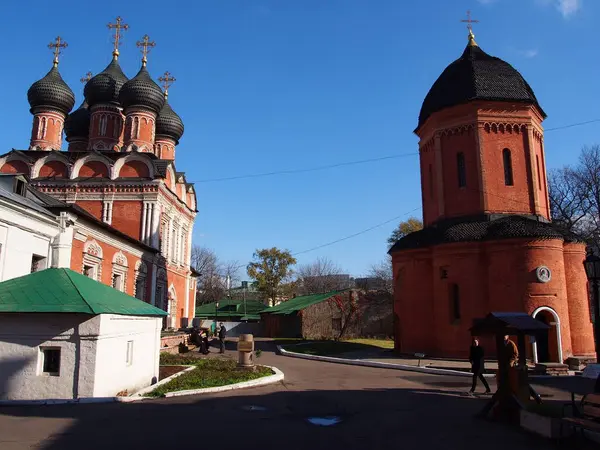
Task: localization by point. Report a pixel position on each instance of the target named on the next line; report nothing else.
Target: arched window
(461, 170)
(454, 303)
(508, 171)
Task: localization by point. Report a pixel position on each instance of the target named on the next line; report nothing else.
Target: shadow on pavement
(376, 419)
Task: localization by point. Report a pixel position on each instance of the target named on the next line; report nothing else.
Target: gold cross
(117, 36)
(55, 47)
(167, 80)
(146, 46)
(469, 22)
(88, 77)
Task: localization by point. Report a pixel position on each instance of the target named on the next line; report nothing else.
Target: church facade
(488, 243)
(119, 169)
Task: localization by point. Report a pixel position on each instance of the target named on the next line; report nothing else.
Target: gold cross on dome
(146, 45)
(118, 26)
(88, 77)
(55, 47)
(470, 23)
(167, 80)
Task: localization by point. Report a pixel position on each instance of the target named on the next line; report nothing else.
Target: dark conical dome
(168, 123)
(52, 92)
(476, 76)
(105, 87)
(142, 91)
(77, 124)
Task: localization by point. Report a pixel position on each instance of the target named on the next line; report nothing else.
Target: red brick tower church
(488, 244)
(119, 170)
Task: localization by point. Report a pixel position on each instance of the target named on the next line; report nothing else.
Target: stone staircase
(554, 369)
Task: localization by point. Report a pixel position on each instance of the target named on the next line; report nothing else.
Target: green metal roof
(299, 303)
(66, 291)
(232, 308)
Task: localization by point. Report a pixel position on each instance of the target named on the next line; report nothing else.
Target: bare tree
(322, 275)
(575, 196)
(212, 278)
(382, 272)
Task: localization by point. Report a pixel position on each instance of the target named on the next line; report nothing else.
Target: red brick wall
(499, 197)
(15, 166)
(582, 332)
(94, 169)
(53, 135)
(108, 252)
(127, 217)
(459, 201)
(94, 207)
(54, 169)
(492, 277)
(134, 169)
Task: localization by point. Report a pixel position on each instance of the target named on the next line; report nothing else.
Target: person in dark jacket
(476, 358)
(222, 334)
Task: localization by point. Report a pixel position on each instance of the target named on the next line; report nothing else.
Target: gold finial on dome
(167, 80)
(118, 26)
(55, 47)
(470, 23)
(146, 45)
(88, 77)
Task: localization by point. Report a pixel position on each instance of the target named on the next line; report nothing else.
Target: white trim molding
(558, 333)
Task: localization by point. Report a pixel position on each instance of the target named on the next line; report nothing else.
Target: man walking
(222, 334)
(477, 359)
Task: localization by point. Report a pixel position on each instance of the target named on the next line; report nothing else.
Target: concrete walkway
(377, 408)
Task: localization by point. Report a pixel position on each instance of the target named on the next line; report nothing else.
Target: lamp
(592, 270)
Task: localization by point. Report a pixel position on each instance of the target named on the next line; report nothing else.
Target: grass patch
(169, 359)
(330, 348)
(210, 372)
(388, 344)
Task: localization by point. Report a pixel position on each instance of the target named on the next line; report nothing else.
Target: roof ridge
(68, 273)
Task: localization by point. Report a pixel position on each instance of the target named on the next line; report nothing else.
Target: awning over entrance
(511, 323)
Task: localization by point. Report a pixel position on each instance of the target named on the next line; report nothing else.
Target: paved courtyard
(378, 408)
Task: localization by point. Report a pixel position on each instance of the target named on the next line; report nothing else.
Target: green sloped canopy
(299, 303)
(232, 308)
(66, 291)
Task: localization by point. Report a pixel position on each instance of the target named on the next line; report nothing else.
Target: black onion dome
(476, 76)
(168, 123)
(52, 92)
(77, 123)
(105, 86)
(142, 91)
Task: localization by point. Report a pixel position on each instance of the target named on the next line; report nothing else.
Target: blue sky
(269, 85)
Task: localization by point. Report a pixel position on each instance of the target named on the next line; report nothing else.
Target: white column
(148, 222)
(110, 212)
(105, 212)
(62, 243)
(154, 236)
(144, 214)
(187, 299)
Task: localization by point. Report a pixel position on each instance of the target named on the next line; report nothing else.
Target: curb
(74, 401)
(380, 365)
(139, 395)
(275, 378)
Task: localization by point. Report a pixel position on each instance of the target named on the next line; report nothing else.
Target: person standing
(477, 360)
(222, 334)
(511, 353)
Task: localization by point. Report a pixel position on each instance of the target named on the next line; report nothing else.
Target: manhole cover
(254, 408)
(324, 421)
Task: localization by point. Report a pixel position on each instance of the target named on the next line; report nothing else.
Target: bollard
(245, 351)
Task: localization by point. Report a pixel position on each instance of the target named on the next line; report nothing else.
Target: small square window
(51, 361)
(37, 263)
(129, 356)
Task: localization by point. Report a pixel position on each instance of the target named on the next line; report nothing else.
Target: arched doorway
(547, 347)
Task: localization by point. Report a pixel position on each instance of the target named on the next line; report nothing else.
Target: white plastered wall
(24, 335)
(113, 373)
